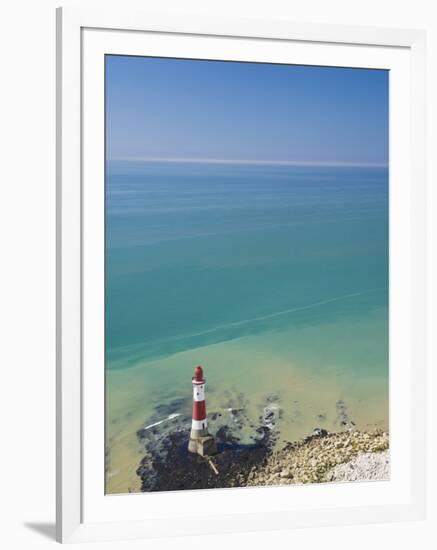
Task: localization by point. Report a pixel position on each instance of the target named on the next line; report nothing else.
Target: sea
(273, 277)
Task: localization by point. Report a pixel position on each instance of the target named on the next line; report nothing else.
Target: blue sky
(185, 109)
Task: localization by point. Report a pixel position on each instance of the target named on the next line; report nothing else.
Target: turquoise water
(273, 277)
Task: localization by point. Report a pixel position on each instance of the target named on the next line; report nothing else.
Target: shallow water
(274, 278)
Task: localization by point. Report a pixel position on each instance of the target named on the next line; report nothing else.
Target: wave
(169, 417)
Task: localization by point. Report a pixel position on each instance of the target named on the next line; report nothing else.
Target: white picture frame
(83, 512)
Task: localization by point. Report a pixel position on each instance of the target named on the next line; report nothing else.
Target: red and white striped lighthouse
(201, 442)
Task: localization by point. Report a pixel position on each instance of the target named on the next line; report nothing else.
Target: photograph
(246, 274)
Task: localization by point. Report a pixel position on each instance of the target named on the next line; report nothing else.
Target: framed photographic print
(240, 275)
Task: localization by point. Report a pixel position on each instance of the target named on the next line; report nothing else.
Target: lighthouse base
(203, 446)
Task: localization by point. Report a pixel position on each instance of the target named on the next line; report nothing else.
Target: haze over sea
(274, 277)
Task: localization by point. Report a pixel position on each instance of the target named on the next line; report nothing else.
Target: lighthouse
(201, 442)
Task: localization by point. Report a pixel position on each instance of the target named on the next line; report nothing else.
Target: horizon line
(261, 162)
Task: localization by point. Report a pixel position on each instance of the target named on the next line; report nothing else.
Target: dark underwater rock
(174, 468)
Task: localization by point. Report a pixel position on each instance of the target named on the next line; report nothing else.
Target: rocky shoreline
(318, 458)
(248, 451)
